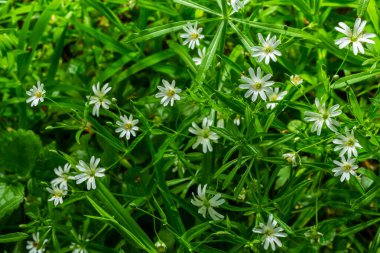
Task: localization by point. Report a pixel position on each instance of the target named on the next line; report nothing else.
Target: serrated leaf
(11, 196)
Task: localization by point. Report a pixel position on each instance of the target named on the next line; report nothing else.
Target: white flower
(206, 205)
(160, 246)
(192, 35)
(168, 92)
(99, 98)
(291, 158)
(270, 233)
(78, 248)
(296, 80)
(58, 192)
(256, 85)
(63, 176)
(204, 135)
(267, 50)
(237, 120)
(237, 4)
(201, 54)
(36, 94)
(346, 167)
(274, 96)
(89, 172)
(324, 116)
(347, 143)
(357, 37)
(127, 126)
(36, 246)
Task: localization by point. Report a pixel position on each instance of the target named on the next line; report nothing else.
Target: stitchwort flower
(267, 49)
(323, 116)
(58, 192)
(270, 233)
(237, 4)
(204, 135)
(99, 98)
(192, 35)
(207, 205)
(127, 126)
(347, 143)
(296, 80)
(89, 172)
(36, 94)
(36, 246)
(201, 55)
(63, 176)
(168, 92)
(345, 168)
(356, 37)
(275, 96)
(256, 84)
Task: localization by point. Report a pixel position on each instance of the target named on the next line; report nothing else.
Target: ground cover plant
(189, 126)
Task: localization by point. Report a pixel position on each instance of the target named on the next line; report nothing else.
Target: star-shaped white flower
(345, 168)
(89, 172)
(207, 205)
(323, 116)
(256, 84)
(127, 126)
(270, 233)
(63, 176)
(267, 49)
(192, 35)
(99, 98)
(356, 37)
(58, 192)
(296, 80)
(291, 158)
(36, 94)
(204, 135)
(275, 96)
(347, 143)
(36, 246)
(168, 92)
(201, 54)
(237, 4)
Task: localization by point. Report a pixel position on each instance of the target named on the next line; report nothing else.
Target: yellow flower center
(350, 142)
(128, 126)
(58, 194)
(38, 94)
(346, 167)
(267, 49)
(257, 86)
(170, 93)
(296, 79)
(273, 97)
(268, 231)
(194, 36)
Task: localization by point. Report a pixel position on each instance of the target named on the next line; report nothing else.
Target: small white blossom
(63, 176)
(89, 172)
(78, 248)
(99, 98)
(204, 135)
(58, 192)
(323, 116)
(296, 80)
(168, 92)
(36, 94)
(36, 246)
(237, 120)
(192, 35)
(347, 143)
(160, 246)
(356, 37)
(207, 205)
(275, 96)
(201, 54)
(256, 84)
(127, 127)
(291, 158)
(270, 233)
(267, 49)
(345, 168)
(237, 4)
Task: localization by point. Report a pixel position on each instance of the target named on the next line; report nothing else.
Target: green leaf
(362, 8)
(357, 228)
(11, 196)
(356, 111)
(197, 6)
(373, 13)
(19, 151)
(13, 237)
(366, 198)
(54, 62)
(354, 78)
(156, 6)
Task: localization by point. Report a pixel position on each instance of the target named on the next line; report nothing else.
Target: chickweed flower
(192, 35)
(323, 116)
(256, 84)
(291, 158)
(237, 120)
(201, 54)
(58, 192)
(99, 98)
(237, 4)
(274, 96)
(267, 49)
(89, 172)
(270, 233)
(168, 92)
(63, 176)
(207, 205)
(36, 94)
(127, 126)
(347, 143)
(345, 168)
(296, 80)
(356, 37)
(36, 246)
(204, 135)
